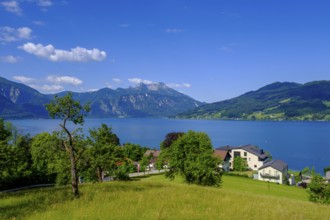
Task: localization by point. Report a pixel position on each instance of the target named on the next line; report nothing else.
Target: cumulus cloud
(64, 80)
(24, 79)
(9, 59)
(12, 6)
(77, 54)
(49, 84)
(138, 81)
(9, 34)
(179, 85)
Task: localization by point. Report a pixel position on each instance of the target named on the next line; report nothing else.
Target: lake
(299, 144)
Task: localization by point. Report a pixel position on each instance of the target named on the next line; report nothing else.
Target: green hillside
(158, 198)
(277, 101)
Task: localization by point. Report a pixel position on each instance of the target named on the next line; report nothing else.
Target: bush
(319, 191)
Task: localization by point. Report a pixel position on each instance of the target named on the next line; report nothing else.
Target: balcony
(268, 176)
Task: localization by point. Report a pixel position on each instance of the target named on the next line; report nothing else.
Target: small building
(275, 171)
(153, 155)
(327, 175)
(224, 155)
(255, 157)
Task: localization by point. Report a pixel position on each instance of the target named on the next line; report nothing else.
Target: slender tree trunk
(74, 177)
(99, 174)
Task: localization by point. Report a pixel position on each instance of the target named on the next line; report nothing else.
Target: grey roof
(249, 148)
(276, 164)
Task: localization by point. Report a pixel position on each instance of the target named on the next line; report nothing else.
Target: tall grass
(157, 198)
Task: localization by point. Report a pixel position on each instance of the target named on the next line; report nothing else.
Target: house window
(245, 154)
(255, 166)
(249, 159)
(237, 154)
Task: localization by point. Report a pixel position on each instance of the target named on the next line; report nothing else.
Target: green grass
(157, 198)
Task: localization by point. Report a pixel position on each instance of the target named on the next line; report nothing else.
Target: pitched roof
(276, 164)
(221, 154)
(154, 153)
(249, 148)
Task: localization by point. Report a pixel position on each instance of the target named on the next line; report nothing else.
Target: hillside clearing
(157, 198)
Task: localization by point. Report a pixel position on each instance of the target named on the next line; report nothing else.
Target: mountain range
(277, 101)
(152, 100)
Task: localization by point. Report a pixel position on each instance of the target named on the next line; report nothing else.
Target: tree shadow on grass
(145, 176)
(31, 201)
(21, 204)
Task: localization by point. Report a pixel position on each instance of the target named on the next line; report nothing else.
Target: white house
(275, 171)
(327, 175)
(225, 158)
(255, 157)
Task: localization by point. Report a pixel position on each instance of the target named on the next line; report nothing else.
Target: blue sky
(211, 50)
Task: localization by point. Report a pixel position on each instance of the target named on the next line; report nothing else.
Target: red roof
(221, 154)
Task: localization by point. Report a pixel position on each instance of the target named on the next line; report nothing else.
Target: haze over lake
(299, 144)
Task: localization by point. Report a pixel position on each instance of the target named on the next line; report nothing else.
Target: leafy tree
(5, 132)
(239, 164)
(15, 158)
(6, 152)
(67, 109)
(160, 162)
(192, 157)
(133, 151)
(308, 171)
(144, 163)
(169, 139)
(103, 150)
(123, 169)
(7, 164)
(49, 159)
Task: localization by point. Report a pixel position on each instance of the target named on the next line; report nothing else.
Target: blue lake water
(299, 144)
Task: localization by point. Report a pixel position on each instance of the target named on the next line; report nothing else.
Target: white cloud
(64, 80)
(77, 54)
(24, 79)
(9, 34)
(173, 30)
(12, 6)
(50, 84)
(92, 90)
(9, 59)
(44, 3)
(39, 23)
(116, 80)
(51, 88)
(24, 33)
(138, 81)
(179, 85)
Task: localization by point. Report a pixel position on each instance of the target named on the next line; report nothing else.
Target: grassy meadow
(155, 197)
